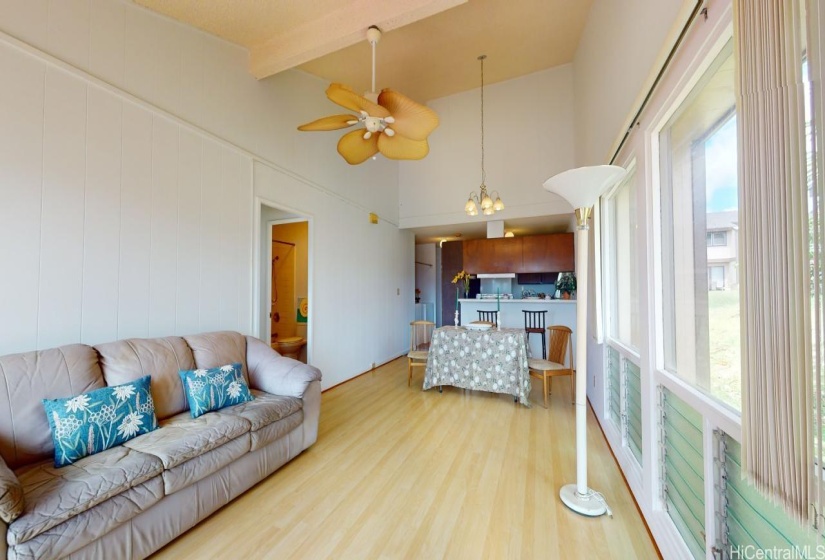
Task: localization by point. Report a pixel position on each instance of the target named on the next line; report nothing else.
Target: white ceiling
(429, 49)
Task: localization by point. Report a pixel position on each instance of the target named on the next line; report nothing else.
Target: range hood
(497, 275)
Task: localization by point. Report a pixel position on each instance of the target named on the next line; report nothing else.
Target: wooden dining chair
(491, 316)
(554, 365)
(534, 324)
(421, 333)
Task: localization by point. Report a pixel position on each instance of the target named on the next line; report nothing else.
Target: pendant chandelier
(488, 207)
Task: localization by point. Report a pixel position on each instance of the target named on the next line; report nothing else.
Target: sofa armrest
(11, 494)
(273, 373)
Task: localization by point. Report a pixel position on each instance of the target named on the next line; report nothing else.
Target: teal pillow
(213, 389)
(95, 421)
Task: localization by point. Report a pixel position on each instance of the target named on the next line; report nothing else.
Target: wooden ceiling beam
(337, 30)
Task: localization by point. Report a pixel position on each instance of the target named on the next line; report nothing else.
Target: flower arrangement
(465, 276)
(566, 283)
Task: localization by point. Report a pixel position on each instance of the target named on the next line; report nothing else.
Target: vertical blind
(774, 252)
(683, 474)
(748, 518)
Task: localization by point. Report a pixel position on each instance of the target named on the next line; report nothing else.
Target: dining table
(493, 360)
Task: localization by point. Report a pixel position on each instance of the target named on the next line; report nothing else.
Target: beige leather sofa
(129, 501)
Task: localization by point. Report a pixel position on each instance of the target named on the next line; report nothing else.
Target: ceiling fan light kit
(483, 199)
(393, 124)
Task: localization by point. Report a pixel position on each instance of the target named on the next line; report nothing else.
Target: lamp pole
(582, 188)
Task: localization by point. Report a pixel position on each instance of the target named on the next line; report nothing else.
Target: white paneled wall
(127, 143)
(115, 220)
(204, 81)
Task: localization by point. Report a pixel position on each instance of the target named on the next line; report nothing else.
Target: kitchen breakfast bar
(559, 312)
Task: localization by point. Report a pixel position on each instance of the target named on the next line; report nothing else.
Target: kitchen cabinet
(525, 278)
(533, 253)
(501, 254)
(548, 253)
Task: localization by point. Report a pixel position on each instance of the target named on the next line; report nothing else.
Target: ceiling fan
(394, 124)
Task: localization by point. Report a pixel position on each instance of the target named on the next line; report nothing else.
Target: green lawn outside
(725, 359)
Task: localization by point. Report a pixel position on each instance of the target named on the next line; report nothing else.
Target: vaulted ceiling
(429, 48)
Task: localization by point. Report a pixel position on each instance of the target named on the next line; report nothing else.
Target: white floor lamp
(582, 188)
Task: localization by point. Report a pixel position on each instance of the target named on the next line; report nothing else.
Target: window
(699, 200)
(717, 238)
(621, 263)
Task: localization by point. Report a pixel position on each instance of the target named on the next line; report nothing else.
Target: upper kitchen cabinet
(533, 253)
(548, 253)
(502, 254)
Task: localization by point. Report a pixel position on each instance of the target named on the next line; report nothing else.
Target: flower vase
(456, 318)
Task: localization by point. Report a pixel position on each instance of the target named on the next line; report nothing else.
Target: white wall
(621, 50)
(126, 187)
(529, 132)
(362, 293)
(115, 221)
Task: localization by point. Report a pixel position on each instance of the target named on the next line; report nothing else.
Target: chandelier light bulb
(498, 205)
(488, 211)
(470, 207)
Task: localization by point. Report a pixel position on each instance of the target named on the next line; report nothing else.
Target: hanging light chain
(483, 173)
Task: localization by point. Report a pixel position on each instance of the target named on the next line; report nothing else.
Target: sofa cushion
(271, 417)
(26, 379)
(212, 389)
(182, 437)
(92, 422)
(218, 348)
(203, 465)
(75, 533)
(265, 409)
(55, 495)
(160, 358)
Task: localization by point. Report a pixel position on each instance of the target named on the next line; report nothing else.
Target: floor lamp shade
(582, 187)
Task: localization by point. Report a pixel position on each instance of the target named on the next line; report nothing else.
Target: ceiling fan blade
(412, 119)
(346, 97)
(399, 147)
(355, 149)
(334, 122)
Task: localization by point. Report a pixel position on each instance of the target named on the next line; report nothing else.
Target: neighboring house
(723, 250)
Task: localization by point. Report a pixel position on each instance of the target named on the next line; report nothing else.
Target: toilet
(290, 346)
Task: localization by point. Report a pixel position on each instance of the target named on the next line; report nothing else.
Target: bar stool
(534, 323)
(491, 316)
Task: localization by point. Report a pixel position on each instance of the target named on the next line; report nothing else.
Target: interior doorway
(285, 287)
(289, 286)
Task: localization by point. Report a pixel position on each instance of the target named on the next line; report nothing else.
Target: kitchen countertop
(526, 300)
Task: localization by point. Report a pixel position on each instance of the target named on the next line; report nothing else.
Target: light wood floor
(402, 473)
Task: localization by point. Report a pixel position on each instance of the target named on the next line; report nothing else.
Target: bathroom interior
(288, 304)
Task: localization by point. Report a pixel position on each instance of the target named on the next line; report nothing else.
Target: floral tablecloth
(493, 360)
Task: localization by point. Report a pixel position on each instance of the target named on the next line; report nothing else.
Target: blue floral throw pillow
(95, 421)
(212, 389)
